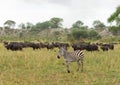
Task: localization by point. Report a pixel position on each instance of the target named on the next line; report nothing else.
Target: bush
(115, 30)
(78, 33)
(94, 35)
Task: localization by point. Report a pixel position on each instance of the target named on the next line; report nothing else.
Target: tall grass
(41, 67)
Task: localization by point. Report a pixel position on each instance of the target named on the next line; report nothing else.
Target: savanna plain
(41, 67)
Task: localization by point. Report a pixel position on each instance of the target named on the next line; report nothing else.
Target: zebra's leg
(67, 66)
(82, 65)
(78, 62)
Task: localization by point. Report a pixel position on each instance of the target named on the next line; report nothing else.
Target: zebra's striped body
(75, 56)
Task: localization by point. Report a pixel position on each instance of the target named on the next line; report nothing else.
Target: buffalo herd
(92, 47)
(14, 46)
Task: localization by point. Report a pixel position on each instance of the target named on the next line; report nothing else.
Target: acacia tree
(56, 22)
(97, 24)
(9, 24)
(78, 24)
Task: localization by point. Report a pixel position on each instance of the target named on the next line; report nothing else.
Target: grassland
(41, 67)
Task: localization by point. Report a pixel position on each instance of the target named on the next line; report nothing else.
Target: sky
(22, 11)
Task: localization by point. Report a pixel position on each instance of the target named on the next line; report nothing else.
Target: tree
(22, 26)
(115, 16)
(115, 30)
(93, 34)
(78, 33)
(29, 25)
(98, 24)
(9, 24)
(56, 22)
(77, 24)
(43, 25)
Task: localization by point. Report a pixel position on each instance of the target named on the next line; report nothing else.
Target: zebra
(75, 56)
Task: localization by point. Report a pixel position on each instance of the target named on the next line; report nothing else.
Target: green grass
(41, 67)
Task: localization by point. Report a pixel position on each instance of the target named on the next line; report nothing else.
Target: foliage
(56, 34)
(22, 26)
(9, 23)
(78, 33)
(29, 25)
(56, 22)
(110, 39)
(43, 25)
(50, 24)
(115, 16)
(115, 30)
(98, 24)
(77, 24)
(93, 34)
(70, 38)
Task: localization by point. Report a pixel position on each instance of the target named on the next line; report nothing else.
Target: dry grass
(41, 67)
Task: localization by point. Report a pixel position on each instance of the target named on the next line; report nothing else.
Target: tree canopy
(9, 23)
(98, 24)
(43, 25)
(56, 22)
(115, 16)
(77, 24)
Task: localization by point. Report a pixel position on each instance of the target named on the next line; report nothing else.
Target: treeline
(47, 29)
(54, 22)
(77, 31)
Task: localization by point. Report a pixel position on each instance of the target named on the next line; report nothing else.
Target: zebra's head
(61, 52)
